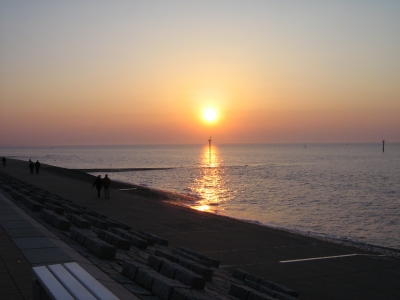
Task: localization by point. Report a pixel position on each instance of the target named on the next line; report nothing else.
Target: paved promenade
(315, 268)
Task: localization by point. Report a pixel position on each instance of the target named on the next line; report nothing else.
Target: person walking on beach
(4, 161)
(31, 166)
(37, 166)
(106, 186)
(99, 184)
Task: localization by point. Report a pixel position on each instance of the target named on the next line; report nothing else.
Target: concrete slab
(34, 243)
(15, 224)
(46, 256)
(11, 217)
(27, 232)
(7, 211)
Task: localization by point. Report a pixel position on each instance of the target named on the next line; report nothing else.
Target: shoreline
(178, 199)
(317, 269)
(118, 170)
(175, 198)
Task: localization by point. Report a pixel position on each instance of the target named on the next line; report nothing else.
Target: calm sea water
(349, 193)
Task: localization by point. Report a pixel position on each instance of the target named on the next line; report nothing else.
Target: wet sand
(317, 269)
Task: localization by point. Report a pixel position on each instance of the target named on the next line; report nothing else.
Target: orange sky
(123, 72)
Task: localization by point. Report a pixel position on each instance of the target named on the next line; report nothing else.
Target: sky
(142, 72)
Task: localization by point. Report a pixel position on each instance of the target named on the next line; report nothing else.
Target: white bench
(68, 281)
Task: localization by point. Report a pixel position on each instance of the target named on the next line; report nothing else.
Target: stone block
(136, 242)
(57, 209)
(196, 268)
(163, 287)
(80, 207)
(190, 257)
(168, 269)
(53, 201)
(130, 269)
(34, 206)
(25, 192)
(167, 255)
(81, 223)
(101, 224)
(70, 209)
(48, 215)
(189, 278)
(266, 290)
(214, 263)
(107, 237)
(127, 268)
(73, 235)
(113, 223)
(145, 237)
(239, 291)
(239, 274)
(118, 231)
(88, 212)
(125, 226)
(183, 262)
(90, 218)
(120, 242)
(88, 242)
(101, 234)
(155, 263)
(62, 223)
(266, 283)
(102, 249)
(44, 214)
(252, 277)
(145, 277)
(251, 284)
(254, 295)
(39, 198)
(81, 237)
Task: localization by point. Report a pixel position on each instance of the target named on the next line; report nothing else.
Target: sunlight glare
(210, 115)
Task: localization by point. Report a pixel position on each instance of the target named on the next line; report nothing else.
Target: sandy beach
(316, 269)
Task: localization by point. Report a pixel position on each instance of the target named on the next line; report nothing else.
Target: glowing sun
(210, 115)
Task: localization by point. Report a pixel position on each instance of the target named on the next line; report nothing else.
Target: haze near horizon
(145, 72)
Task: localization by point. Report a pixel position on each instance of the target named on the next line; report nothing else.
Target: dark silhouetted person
(106, 186)
(99, 184)
(37, 166)
(4, 161)
(31, 166)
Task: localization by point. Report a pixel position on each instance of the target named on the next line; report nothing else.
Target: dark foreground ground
(315, 268)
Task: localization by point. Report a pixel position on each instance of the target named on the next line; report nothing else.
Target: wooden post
(383, 145)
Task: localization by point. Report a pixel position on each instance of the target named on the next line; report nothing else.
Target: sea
(345, 193)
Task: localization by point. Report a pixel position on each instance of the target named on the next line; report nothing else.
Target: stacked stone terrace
(140, 261)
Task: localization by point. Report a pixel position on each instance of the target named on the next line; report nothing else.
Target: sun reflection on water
(210, 184)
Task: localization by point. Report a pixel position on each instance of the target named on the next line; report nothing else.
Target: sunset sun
(210, 115)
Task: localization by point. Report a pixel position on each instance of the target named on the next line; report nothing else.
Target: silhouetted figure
(106, 186)
(99, 184)
(37, 166)
(4, 161)
(31, 166)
